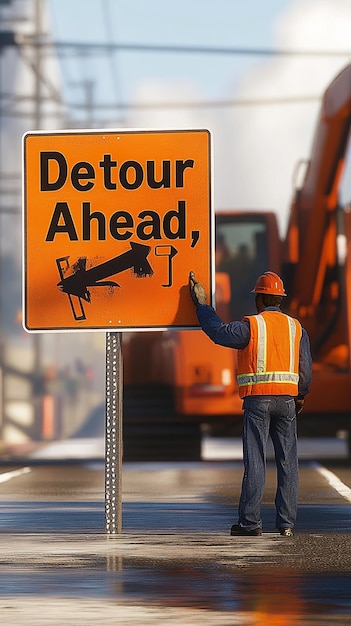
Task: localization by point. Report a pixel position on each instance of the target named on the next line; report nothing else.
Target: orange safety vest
(269, 364)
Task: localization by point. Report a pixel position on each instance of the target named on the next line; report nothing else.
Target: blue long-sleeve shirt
(237, 335)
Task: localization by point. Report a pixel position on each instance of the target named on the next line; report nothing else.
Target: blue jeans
(264, 416)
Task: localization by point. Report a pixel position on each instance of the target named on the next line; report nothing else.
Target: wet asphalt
(174, 562)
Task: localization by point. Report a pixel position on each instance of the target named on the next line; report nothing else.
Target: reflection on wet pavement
(199, 575)
(175, 563)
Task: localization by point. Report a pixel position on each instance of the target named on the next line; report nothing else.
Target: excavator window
(242, 252)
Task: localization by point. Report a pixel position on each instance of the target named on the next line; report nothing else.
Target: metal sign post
(114, 439)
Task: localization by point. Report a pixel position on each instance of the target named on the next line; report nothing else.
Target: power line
(86, 47)
(211, 104)
(208, 104)
(200, 104)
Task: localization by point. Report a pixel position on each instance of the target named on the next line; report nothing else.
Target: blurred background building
(49, 383)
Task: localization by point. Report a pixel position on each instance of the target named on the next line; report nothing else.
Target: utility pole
(37, 344)
(37, 64)
(88, 87)
(7, 38)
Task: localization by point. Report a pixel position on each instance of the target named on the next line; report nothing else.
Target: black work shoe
(286, 532)
(238, 531)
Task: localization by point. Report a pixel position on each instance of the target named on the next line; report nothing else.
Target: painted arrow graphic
(77, 283)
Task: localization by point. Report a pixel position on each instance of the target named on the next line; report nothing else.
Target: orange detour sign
(113, 223)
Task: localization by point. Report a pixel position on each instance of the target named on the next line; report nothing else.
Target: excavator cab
(247, 244)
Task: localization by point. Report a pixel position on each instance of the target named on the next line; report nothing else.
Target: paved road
(174, 563)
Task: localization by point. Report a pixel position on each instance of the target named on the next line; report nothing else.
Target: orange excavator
(319, 257)
(178, 383)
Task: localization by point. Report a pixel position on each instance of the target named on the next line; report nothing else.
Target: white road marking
(334, 482)
(228, 448)
(8, 475)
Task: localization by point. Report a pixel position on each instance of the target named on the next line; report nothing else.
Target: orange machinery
(185, 379)
(319, 257)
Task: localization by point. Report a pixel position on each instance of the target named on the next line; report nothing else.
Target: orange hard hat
(269, 283)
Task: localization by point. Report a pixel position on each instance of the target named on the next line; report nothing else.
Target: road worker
(274, 375)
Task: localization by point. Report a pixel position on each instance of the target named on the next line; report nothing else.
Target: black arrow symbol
(77, 284)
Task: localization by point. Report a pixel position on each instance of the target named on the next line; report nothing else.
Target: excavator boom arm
(315, 203)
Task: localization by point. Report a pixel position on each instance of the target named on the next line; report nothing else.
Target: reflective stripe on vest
(281, 381)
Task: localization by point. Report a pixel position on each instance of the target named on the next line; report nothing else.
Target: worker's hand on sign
(299, 402)
(197, 291)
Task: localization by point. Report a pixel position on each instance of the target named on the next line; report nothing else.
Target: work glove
(299, 402)
(197, 291)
